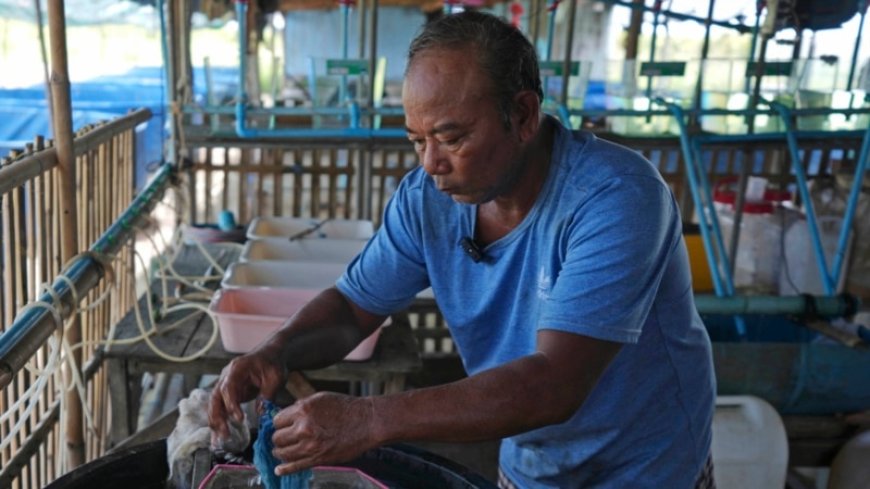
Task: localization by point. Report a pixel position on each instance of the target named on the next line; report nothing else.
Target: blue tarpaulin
(24, 113)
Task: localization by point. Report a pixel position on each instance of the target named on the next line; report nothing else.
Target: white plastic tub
(282, 275)
(307, 250)
(248, 316)
(306, 228)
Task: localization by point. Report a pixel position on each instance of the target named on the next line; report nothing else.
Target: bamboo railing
(350, 180)
(301, 179)
(30, 223)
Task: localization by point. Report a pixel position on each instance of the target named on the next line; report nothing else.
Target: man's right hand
(246, 377)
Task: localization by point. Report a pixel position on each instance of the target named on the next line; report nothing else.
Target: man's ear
(527, 114)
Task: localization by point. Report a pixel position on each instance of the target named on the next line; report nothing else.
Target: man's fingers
(286, 416)
(295, 466)
(231, 402)
(293, 455)
(217, 416)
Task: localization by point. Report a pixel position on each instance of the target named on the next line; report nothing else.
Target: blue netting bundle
(266, 462)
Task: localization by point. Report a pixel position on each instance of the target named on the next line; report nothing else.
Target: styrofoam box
(287, 227)
(308, 250)
(247, 316)
(283, 275)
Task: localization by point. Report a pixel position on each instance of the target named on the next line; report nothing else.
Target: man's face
(453, 120)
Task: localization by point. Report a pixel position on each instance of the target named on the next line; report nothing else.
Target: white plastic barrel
(851, 467)
(799, 273)
(750, 447)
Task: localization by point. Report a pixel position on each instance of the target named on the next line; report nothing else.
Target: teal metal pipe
(398, 111)
(719, 241)
(801, 178)
(851, 205)
(31, 329)
(693, 169)
(722, 287)
(825, 306)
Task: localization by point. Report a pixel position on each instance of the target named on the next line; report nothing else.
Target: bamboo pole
(194, 175)
(40, 218)
(63, 134)
(7, 299)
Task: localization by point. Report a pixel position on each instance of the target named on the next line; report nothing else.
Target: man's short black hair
(503, 51)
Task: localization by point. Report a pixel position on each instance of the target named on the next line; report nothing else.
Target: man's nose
(433, 160)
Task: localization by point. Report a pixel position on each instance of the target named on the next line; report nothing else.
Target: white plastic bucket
(800, 273)
(750, 447)
(850, 468)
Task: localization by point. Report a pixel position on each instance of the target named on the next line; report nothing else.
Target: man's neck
(501, 215)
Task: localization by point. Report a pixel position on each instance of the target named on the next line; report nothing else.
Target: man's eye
(419, 144)
(451, 142)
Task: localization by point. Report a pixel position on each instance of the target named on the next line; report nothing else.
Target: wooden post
(634, 30)
(63, 136)
(569, 47)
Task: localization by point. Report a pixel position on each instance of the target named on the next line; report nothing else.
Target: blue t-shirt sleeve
(390, 271)
(617, 248)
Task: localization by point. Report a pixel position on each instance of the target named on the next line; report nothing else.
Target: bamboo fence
(30, 223)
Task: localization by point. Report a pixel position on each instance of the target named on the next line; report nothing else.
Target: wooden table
(395, 356)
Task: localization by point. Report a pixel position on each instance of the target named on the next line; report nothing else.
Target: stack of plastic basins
(285, 263)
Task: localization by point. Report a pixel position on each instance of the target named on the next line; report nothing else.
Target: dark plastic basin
(398, 466)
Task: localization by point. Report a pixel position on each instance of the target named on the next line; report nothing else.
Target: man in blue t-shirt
(558, 262)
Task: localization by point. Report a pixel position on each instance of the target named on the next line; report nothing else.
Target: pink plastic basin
(223, 476)
(247, 316)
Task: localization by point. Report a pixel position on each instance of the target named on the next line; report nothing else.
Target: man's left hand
(326, 428)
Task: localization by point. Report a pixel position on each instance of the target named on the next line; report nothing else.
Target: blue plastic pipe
(694, 171)
(711, 208)
(852, 203)
(696, 182)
